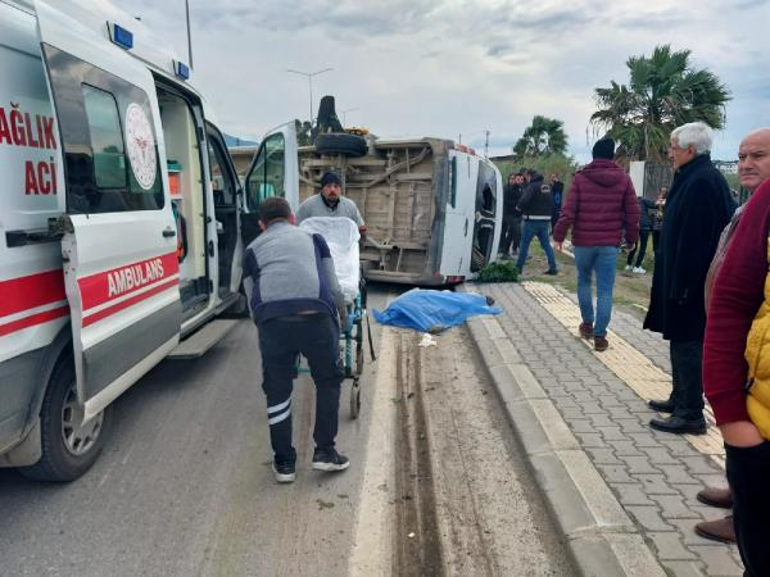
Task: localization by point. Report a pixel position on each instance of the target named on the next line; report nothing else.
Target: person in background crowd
(511, 233)
(294, 299)
(698, 207)
(645, 227)
(558, 198)
(657, 219)
(601, 204)
(536, 206)
(753, 170)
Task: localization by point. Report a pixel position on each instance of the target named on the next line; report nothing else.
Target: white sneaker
(639, 270)
(629, 268)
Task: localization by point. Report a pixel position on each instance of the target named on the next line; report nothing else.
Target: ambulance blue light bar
(181, 70)
(120, 36)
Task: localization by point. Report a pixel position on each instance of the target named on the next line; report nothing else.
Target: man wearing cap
(601, 209)
(294, 299)
(330, 202)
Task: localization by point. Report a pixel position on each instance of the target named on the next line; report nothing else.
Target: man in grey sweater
(294, 299)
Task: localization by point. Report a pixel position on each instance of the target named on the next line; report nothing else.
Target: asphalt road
(185, 486)
(437, 484)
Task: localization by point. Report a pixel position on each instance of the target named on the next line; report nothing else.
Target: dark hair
(274, 208)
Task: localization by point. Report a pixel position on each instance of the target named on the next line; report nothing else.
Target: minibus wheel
(69, 448)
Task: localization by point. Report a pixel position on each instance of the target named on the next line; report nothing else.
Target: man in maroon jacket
(736, 296)
(601, 205)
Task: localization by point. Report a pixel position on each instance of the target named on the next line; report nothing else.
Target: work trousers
(687, 377)
(640, 250)
(748, 469)
(281, 340)
(511, 234)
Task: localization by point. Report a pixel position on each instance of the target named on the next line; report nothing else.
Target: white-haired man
(698, 207)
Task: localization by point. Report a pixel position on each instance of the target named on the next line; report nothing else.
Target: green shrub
(500, 271)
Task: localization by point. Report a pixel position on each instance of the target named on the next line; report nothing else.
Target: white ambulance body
(120, 224)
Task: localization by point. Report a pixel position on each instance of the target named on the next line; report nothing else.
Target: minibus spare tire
(341, 143)
(69, 449)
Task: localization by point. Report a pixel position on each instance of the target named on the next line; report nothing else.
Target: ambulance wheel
(341, 143)
(69, 449)
(355, 400)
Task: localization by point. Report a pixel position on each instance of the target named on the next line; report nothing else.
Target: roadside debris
(427, 341)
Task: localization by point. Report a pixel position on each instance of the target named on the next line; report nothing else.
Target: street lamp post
(309, 76)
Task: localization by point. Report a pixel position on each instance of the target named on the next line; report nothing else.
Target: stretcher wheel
(355, 400)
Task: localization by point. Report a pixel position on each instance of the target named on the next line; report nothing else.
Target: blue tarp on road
(433, 311)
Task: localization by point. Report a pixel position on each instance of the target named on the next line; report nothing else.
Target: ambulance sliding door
(120, 265)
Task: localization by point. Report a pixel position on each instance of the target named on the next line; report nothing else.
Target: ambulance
(122, 223)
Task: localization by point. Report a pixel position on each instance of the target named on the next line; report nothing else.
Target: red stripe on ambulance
(103, 287)
(104, 313)
(28, 292)
(31, 321)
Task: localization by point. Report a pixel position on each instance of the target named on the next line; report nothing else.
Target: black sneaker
(284, 472)
(329, 460)
(551, 272)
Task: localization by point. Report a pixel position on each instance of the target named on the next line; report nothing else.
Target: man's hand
(558, 246)
(630, 246)
(741, 434)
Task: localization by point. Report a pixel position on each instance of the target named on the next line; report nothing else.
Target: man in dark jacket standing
(698, 207)
(601, 204)
(536, 206)
(511, 235)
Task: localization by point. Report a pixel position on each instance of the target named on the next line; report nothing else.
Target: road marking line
(372, 552)
(631, 366)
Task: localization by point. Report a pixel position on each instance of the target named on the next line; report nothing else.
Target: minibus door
(119, 245)
(458, 224)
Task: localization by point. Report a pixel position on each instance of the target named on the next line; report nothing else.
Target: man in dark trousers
(698, 207)
(536, 206)
(294, 298)
(511, 234)
(558, 198)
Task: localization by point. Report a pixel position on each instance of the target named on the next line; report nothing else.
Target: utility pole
(309, 76)
(460, 138)
(189, 36)
(486, 144)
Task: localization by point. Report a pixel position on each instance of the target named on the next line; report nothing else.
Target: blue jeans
(539, 229)
(601, 259)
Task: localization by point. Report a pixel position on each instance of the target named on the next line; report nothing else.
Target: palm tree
(543, 137)
(663, 92)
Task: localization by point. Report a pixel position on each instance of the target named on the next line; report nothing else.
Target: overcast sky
(444, 68)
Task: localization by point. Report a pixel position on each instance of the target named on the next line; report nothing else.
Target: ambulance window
(106, 138)
(267, 176)
(224, 191)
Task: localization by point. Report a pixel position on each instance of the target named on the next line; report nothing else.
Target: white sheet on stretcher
(341, 234)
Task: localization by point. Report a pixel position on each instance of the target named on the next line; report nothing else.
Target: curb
(600, 537)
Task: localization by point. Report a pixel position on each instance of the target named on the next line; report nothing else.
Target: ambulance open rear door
(120, 266)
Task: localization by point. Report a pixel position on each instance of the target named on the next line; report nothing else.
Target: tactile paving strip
(632, 367)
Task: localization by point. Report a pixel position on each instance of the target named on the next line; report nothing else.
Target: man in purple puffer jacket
(601, 208)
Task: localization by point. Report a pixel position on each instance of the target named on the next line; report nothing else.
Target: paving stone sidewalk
(655, 476)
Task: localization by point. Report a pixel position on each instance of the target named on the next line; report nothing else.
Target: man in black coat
(511, 234)
(698, 207)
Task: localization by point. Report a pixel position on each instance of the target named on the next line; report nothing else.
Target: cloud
(444, 67)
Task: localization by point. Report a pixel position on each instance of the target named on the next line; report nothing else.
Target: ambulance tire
(341, 143)
(57, 463)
